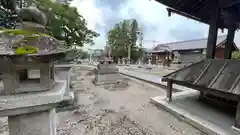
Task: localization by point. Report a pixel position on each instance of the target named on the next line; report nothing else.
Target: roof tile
(189, 44)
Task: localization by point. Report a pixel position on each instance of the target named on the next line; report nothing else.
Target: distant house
(188, 51)
(146, 52)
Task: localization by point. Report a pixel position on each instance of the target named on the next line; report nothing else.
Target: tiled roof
(189, 44)
(161, 48)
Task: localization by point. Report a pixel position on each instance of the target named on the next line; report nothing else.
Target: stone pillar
(45, 75)
(30, 112)
(149, 62)
(229, 42)
(129, 55)
(212, 34)
(37, 123)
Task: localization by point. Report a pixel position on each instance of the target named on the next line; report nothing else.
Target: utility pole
(109, 51)
(141, 47)
(129, 54)
(90, 55)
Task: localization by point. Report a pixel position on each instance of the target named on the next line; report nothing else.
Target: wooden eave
(200, 10)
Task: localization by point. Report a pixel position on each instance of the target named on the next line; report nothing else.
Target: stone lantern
(30, 93)
(18, 74)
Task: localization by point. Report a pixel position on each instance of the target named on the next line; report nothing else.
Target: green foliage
(123, 34)
(25, 50)
(65, 23)
(8, 16)
(236, 55)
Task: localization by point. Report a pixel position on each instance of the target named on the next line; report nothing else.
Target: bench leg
(237, 117)
(202, 95)
(169, 90)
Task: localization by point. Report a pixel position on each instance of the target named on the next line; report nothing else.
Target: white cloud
(92, 14)
(153, 16)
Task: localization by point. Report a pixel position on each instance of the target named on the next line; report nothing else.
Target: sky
(152, 17)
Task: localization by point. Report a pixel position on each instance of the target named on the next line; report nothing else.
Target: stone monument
(107, 72)
(30, 93)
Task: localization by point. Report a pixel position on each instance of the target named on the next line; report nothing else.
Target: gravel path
(116, 112)
(119, 112)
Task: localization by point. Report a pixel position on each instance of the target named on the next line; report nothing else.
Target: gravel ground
(126, 111)
(119, 112)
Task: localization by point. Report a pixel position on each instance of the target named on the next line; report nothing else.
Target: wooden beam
(165, 78)
(235, 84)
(229, 43)
(185, 15)
(169, 90)
(207, 90)
(218, 74)
(231, 4)
(203, 72)
(213, 31)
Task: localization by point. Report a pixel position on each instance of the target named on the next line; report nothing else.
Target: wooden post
(237, 117)
(229, 43)
(212, 34)
(169, 90)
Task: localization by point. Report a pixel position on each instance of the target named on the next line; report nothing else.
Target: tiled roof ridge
(190, 40)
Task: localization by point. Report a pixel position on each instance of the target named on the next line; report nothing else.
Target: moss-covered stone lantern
(30, 93)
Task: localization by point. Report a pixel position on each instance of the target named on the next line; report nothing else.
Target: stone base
(98, 83)
(27, 103)
(106, 79)
(38, 123)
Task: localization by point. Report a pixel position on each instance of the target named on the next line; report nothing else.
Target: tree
(74, 55)
(236, 55)
(8, 14)
(123, 35)
(65, 23)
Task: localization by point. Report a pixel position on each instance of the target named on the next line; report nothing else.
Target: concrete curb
(149, 81)
(143, 83)
(195, 121)
(176, 88)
